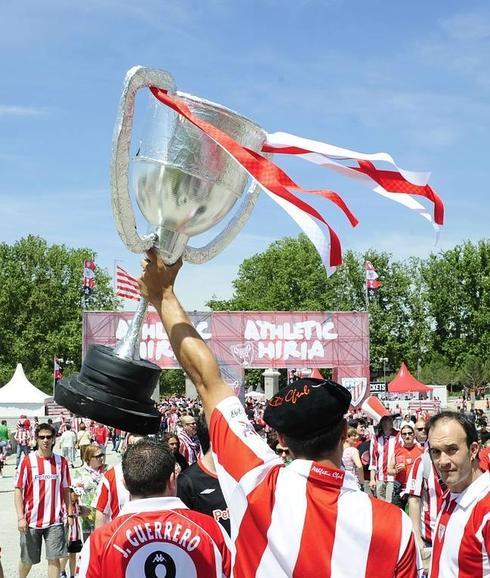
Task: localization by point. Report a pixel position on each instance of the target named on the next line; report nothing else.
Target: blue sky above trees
(408, 78)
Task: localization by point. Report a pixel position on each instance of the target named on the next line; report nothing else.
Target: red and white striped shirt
(423, 481)
(381, 452)
(462, 538)
(305, 519)
(42, 481)
(111, 493)
(156, 537)
(189, 447)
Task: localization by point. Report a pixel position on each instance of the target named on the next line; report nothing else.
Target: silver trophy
(184, 184)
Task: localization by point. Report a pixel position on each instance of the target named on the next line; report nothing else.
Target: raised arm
(195, 357)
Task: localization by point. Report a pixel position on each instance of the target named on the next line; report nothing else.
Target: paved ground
(9, 535)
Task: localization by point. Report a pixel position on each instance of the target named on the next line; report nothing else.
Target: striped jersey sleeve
(233, 435)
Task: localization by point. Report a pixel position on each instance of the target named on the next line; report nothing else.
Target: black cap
(307, 407)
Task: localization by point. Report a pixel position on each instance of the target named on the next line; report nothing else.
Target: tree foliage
(41, 307)
(433, 314)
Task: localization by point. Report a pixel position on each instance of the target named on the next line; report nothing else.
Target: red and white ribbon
(398, 185)
(275, 182)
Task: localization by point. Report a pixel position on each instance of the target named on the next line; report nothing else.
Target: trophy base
(113, 391)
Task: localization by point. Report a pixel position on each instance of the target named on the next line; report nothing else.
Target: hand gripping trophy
(184, 184)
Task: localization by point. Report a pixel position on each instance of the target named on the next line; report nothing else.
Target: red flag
(372, 283)
(57, 371)
(88, 276)
(126, 285)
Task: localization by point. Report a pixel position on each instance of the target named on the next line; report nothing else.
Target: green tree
(172, 382)
(41, 306)
(458, 298)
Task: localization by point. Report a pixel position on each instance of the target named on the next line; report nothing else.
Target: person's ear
(474, 450)
(343, 435)
(172, 485)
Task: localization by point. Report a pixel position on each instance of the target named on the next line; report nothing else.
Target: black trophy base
(113, 391)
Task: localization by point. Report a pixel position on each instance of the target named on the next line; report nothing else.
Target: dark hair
(379, 427)
(46, 427)
(357, 422)
(68, 426)
(465, 421)
(168, 436)
(202, 433)
(318, 447)
(147, 467)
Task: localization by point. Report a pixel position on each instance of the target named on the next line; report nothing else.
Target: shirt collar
(152, 505)
(473, 492)
(325, 474)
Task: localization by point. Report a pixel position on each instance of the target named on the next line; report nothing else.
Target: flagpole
(54, 378)
(366, 296)
(114, 275)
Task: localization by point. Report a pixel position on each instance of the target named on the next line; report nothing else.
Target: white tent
(19, 396)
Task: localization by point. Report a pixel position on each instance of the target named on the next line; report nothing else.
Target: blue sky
(408, 78)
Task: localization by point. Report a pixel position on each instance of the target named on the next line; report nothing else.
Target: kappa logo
(244, 353)
(157, 560)
(153, 562)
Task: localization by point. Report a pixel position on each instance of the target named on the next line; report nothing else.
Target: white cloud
(16, 110)
(470, 26)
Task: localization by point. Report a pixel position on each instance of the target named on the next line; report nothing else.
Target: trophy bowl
(184, 184)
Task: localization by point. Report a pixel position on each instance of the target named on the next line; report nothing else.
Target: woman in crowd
(83, 440)
(351, 458)
(173, 441)
(86, 481)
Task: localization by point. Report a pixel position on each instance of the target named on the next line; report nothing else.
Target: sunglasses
(45, 437)
(99, 456)
(280, 451)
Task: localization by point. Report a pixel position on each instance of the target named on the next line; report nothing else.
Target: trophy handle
(236, 223)
(122, 208)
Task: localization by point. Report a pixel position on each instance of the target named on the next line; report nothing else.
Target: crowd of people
(296, 486)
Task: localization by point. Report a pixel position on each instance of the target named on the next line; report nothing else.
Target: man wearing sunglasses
(42, 487)
(306, 519)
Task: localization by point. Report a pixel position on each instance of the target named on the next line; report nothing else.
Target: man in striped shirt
(381, 453)
(189, 445)
(462, 537)
(41, 490)
(306, 519)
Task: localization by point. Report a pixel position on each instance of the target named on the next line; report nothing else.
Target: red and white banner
(254, 339)
(126, 285)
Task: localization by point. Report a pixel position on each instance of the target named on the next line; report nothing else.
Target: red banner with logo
(256, 339)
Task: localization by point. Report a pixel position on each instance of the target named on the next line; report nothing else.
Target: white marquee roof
(20, 390)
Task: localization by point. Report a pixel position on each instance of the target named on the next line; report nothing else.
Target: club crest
(357, 387)
(440, 531)
(243, 353)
